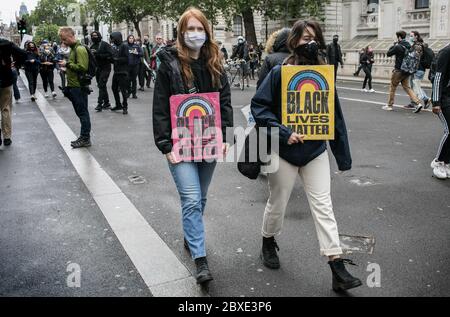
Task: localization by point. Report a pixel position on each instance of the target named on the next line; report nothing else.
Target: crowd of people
(194, 63)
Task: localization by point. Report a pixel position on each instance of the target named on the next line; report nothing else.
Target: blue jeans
(415, 84)
(192, 180)
(79, 98)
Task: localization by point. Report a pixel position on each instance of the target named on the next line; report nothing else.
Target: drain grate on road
(136, 179)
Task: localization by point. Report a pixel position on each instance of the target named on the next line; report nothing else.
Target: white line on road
(377, 103)
(161, 270)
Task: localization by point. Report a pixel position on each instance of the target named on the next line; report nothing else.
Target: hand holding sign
(295, 138)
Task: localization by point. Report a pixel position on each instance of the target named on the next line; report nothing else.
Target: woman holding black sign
(192, 66)
(309, 159)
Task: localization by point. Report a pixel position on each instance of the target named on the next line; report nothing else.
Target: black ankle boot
(203, 273)
(342, 279)
(269, 254)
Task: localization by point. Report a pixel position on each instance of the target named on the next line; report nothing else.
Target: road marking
(376, 92)
(378, 103)
(161, 270)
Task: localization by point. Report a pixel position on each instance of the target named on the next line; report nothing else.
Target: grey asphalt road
(401, 205)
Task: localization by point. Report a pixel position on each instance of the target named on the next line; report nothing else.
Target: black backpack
(428, 57)
(86, 78)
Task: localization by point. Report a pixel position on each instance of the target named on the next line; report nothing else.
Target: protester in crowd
(367, 60)
(159, 44)
(63, 53)
(240, 55)
(441, 107)
(77, 89)
(134, 59)
(193, 65)
(120, 77)
(334, 54)
(8, 52)
(103, 53)
(253, 56)
(47, 69)
(400, 47)
(361, 52)
(309, 159)
(277, 51)
(32, 63)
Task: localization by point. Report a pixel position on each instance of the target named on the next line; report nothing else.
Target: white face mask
(195, 40)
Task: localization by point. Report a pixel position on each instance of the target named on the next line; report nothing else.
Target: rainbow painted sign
(196, 126)
(308, 100)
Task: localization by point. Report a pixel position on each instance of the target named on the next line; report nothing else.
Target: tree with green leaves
(46, 31)
(51, 11)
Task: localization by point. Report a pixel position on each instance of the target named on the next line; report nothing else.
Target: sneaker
(106, 106)
(387, 108)
(7, 142)
(203, 274)
(364, 90)
(33, 98)
(409, 106)
(342, 279)
(98, 108)
(440, 171)
(54, 94)
(117, 107)
(134, 97)
(79, 138)
(46, 95)
(427, 103)
(355, 74)
(82, 142)
(434, 163)
(372, 90)
(269, 253)
(417, 108)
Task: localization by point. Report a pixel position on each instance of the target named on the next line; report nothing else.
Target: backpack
(86, 78)
(428, 55)
(411, 61)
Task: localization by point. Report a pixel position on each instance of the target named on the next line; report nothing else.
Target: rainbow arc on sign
(308, 77)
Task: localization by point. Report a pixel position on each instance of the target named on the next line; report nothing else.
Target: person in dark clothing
(334, 55)
(398, 50)
(47, 69)
(241, 53)
(8, 52)
(145, 74)
(134, 59)
(120, 77)
(277, 50)
(441, 107)
(103, 53)
(309, 159)
(361, 52)
(32, 68)
(367, 60)
(193, 65)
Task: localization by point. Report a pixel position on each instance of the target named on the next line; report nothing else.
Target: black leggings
(368, 70)
(443, 154)
(32, 80)
(47, 79)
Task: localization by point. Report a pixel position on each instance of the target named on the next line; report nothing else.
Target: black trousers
(336, 66)
(443, 154)
(47, 76)
(144, 76)
(132, 77)
(102, 76)
(32, 76)
(368, 79)
(79, 98)
(120, 85)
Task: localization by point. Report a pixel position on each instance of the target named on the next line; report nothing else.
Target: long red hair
(209, 51)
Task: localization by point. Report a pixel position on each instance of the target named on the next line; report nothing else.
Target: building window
(237, 25)
(372, 6)
(422, 4)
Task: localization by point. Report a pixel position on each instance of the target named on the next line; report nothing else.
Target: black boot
(269, 254)
(203, 273)
(106, 105)
(98, 108)
(342, 279)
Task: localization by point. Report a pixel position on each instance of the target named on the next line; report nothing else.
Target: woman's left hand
(225, 148)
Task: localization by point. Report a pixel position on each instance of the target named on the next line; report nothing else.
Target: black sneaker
(79, 138)
(82, 142)
(125, 111)
(342, 279)
(117, 107)
(7, 142)
(269, 253)
(203, 273)
(134, 97)
(106, 106)
(99, 108)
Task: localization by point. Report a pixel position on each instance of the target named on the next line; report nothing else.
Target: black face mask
(309, 50)
(96, 39)
(335, 41)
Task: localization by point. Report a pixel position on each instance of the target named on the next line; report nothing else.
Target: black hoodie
(120, 57)
(8, 50)
(103, 52)
(399, 51)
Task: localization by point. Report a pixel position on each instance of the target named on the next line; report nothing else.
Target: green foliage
(46, 31)
(50, 11)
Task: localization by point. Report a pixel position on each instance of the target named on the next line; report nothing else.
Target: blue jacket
(266, 109)
(134, 59)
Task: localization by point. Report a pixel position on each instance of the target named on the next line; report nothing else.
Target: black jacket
(266, 109)
(9, 50)
(280, 52)
(120, 57)
(441, 83)
(169, 82)
(241, 52)
(366, 59)
(103, 53)
(334, 54)
(399, 51)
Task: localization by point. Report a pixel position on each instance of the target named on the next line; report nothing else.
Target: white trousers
(316, 181)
